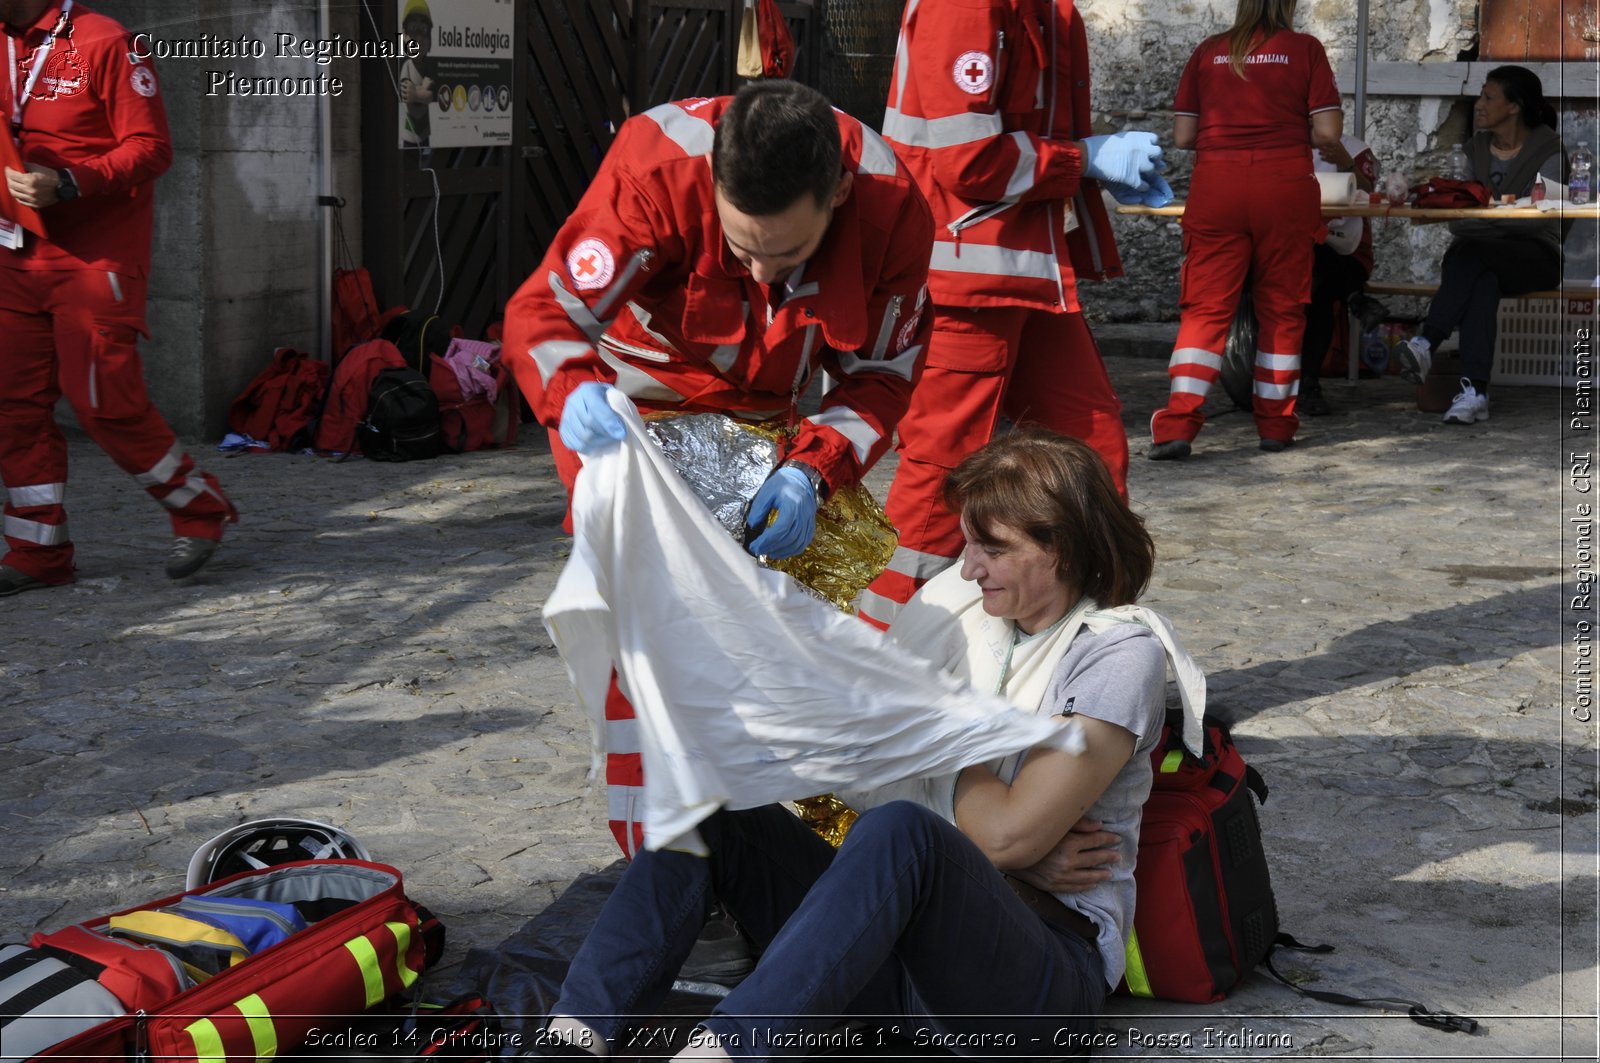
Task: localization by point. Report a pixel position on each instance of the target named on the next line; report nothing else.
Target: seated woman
(1515, 143)
(937, 913)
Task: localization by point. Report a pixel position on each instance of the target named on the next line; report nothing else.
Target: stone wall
(237, 253)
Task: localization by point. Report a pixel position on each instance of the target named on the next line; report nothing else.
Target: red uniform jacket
(639, 289)
(96, 110)
(984, 121)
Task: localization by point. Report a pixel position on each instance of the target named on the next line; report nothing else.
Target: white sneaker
(1416, 357)
(1468, 406)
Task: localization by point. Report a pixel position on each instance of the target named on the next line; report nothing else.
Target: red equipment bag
(1205, 915)
(478, 404)
(365, 943)
(279, 406)
(1447, 192)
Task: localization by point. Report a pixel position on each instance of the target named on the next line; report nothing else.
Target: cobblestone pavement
(1379, 609)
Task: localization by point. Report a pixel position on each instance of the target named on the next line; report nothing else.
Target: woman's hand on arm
(1017, 825)
(1081, 860)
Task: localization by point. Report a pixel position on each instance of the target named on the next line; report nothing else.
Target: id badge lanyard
(39, 58)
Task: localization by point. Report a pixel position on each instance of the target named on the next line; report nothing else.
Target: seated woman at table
(951, 909)
(1515, 143)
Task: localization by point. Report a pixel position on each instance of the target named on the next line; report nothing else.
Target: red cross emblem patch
(974, 72)
(590, 264)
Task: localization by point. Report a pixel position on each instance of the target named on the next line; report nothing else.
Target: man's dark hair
(778, 140)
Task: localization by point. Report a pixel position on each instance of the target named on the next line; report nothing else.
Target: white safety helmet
(264, 843)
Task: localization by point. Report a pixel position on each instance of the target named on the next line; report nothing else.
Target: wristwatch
(819, 486)
(67, 188)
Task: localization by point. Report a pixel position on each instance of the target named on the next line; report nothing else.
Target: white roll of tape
(1337, 188)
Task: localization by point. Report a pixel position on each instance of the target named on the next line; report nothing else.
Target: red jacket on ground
(988, 138)
(640, 290)
(96, 110)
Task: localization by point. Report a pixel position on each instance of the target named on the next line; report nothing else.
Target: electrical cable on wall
(425, 164)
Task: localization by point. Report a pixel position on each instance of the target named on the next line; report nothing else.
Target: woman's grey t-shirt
(1120, 676)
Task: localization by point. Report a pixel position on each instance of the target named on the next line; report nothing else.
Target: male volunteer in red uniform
(727, 250)
(989, 110)
(86, 115)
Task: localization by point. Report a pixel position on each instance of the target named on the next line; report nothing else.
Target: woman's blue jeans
(908, 925)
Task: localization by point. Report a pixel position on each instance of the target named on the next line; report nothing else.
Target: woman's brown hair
(1058, 492)
(1256, 20)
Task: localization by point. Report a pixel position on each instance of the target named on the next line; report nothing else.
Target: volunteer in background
(1339, 269)
(989, 110)
(92, 130)
(1244, 103)
(936, 909)
(1515, 143)
(727, 251)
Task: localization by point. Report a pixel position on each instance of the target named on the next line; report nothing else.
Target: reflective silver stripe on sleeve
(116, 285)
(36, 532)
(902, 56)
(994, 261)
(693, 135)
(161, 471)
(553, 354)
(180, 497)
(636, 383)
(38, 495)
(883, 610)
(1022, 178)
(849, 424)
(1196, 356)
(1190, 385)
(917, 564)
(943, 132)
(876, 156)
(602, 309)
(577, 310)
(1264, 390)
(1278, 363)
(902, 365)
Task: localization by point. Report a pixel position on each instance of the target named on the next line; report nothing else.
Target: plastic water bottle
(1459, 167)
(1580, 174)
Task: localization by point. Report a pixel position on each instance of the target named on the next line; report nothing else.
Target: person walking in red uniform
(86, 115)
(728, 249)
(989, 110)
(1245, 103)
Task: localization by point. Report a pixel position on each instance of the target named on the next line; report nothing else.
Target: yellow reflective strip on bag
(1135, 975)
(367, 959)
(263, 1035)
(1172, 761)
(402, 942)
(207, 1041)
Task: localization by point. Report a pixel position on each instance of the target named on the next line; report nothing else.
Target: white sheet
(748, 690)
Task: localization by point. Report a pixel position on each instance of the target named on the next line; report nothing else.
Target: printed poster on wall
(455, 82)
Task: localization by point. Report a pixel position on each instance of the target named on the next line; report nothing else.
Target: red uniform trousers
(75, 332)
(1031, 366)
(1255, 214)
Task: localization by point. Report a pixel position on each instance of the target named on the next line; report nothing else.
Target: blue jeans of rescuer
(908, 924)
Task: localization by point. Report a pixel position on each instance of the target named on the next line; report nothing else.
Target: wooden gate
(456, 232)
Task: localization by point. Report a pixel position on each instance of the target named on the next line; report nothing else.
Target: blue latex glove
(1158, 194)
(1128, 158)
(588, 423)
(789, 492)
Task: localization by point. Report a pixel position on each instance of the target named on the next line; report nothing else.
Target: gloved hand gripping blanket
(747, 689)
